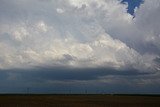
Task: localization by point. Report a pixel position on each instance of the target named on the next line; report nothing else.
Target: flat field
(79, 100)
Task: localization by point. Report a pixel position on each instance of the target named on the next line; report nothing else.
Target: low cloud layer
(61, 80)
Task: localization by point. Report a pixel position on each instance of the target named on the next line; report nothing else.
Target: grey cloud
(63, 74)
(64, 79)
(97, 40)
(81, 34)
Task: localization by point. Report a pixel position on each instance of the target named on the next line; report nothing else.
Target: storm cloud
(79, 40)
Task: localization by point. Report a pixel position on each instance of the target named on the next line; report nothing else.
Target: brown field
(78, 101)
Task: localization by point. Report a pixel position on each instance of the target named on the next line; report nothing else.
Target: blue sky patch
(132, 4)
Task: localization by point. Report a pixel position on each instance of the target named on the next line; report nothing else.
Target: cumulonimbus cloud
(78, 34)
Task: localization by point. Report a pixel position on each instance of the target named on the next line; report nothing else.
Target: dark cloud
(63, 74)
(64, 80)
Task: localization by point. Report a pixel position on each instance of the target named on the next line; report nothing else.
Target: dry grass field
(78, 101)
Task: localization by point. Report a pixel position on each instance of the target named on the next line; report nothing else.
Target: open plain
(49, 100)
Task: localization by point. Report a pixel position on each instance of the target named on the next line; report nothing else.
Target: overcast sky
(58, 46)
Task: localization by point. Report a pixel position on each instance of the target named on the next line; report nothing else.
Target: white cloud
(59, 10)
(147, 20)
(49, 49)
(74, 33)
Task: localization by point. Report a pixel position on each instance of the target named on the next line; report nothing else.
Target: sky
(132, 4)
(79, 46)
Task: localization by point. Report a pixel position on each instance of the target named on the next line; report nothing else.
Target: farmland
(84, 100)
